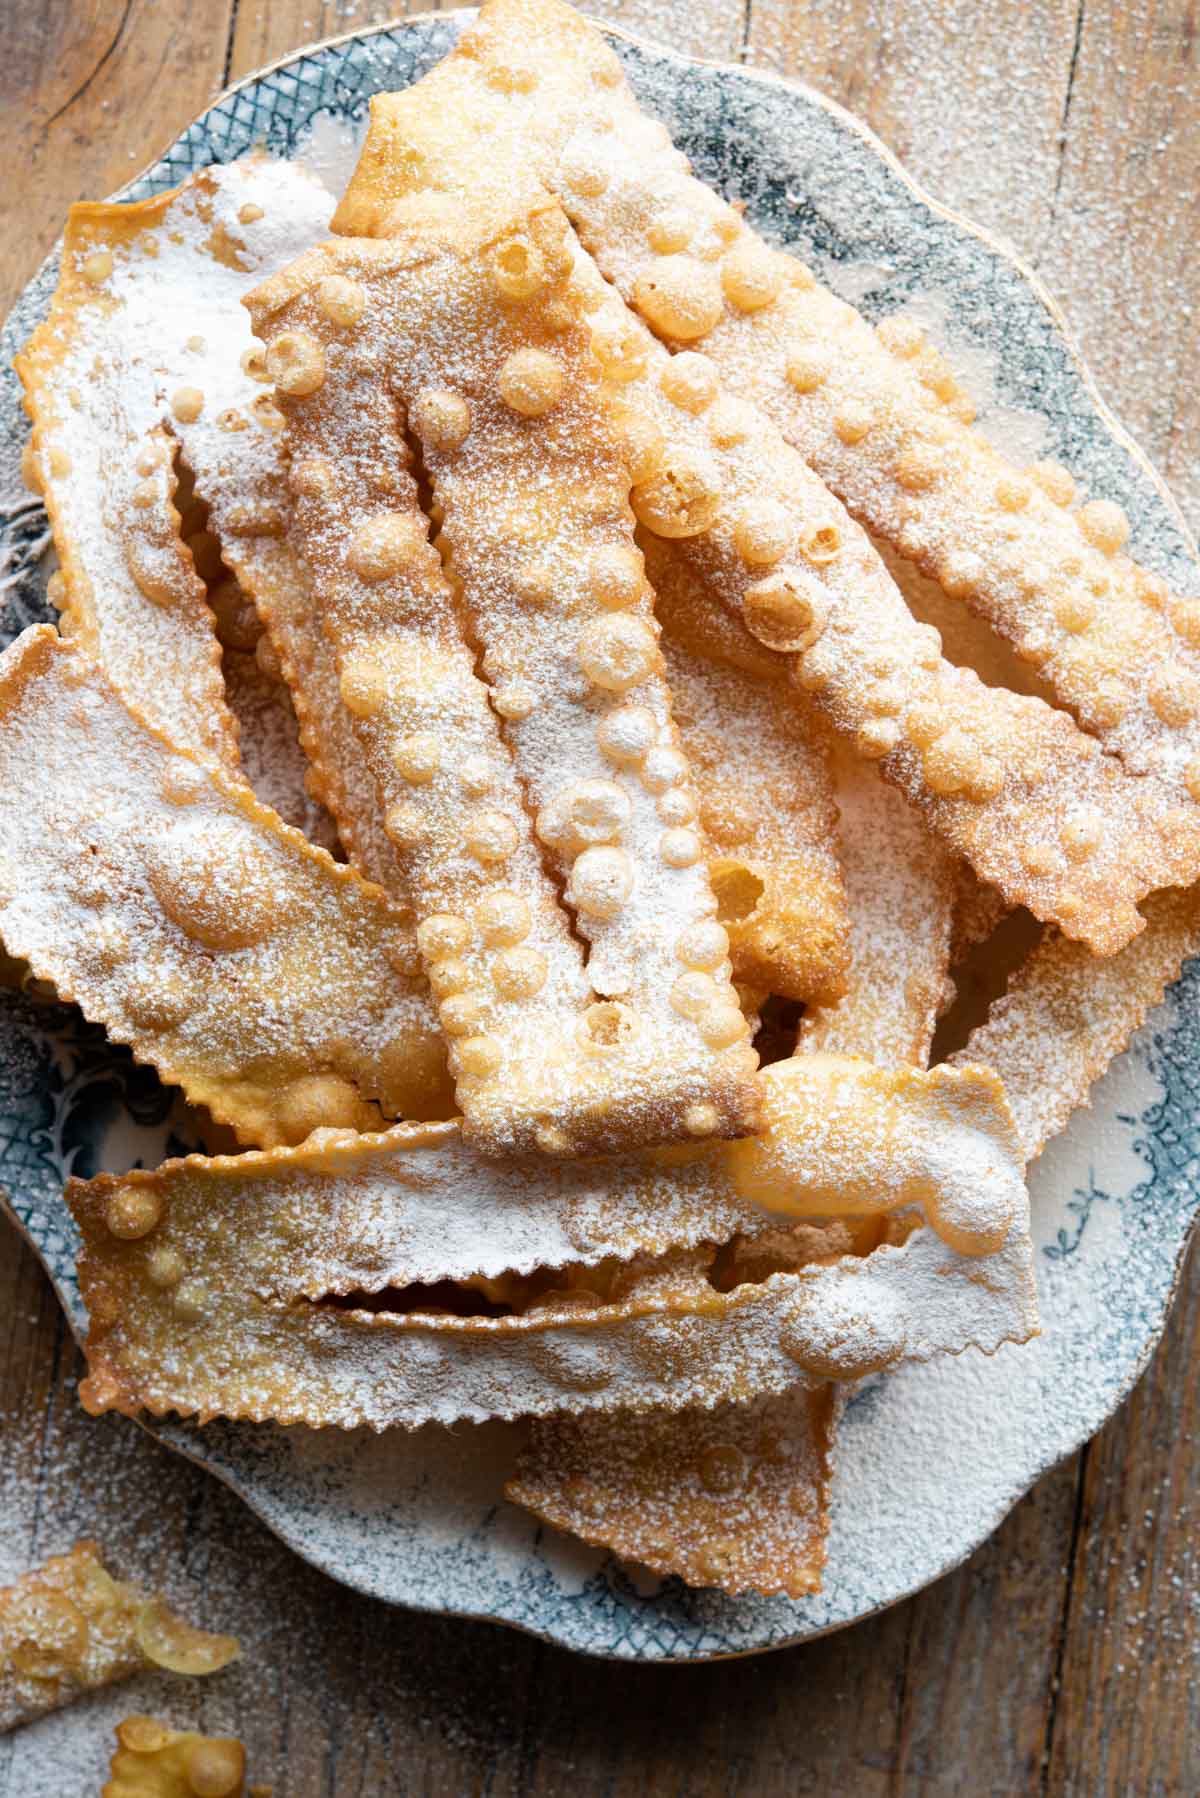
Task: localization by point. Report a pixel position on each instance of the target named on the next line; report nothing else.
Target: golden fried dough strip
(418, 1204)
(152, 1760)
(646, 1042)
(897, 876)
(104, 465)
(269, 982)
(69, 1627)
(900, 883)
(177, 345)
(209, 1346)
(1006, 781)
(736, 1498)
(766, 802)
(875, 412)
(1066, 1015)
(203, 1312)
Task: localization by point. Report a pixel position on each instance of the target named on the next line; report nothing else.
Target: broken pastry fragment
(736, 1498)
(152, 1760)
(299, 1290)
(875, 411)
(1009, 783)
(271, 983)
(68, 1628)
(553, 766)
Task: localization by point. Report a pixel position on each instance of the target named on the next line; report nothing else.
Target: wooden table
(1062, 1658)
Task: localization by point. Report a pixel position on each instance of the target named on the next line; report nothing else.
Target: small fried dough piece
(1009, 783)
(152, 1760)
(646, 1041)
(69, 1627)
(736, 1498)
(1066, 1015)
(875, 412)
(242, 962)
(766, 804)
(900, 885)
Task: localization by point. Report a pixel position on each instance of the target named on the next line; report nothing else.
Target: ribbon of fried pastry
(569, 839)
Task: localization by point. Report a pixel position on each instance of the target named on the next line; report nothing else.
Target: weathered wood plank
(262, 34)
(1127, 1717)
(971, 99)
(90, 92)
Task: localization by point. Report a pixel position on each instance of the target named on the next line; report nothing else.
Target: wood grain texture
(90, 92)
(1060, 1660)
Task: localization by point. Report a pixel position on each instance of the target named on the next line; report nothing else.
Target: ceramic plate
(930, 1459)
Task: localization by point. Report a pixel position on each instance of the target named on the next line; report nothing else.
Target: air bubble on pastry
(601, 882)
(627, 734)
(519, 973)
(681, 499)
(679, 297)
(531, 382)
(689, 381)
(1104, 525)
(343, 302)
(441, 417)
(384, 546)
(618, 653)
(503, 918)
(752, 277)
(296, 363)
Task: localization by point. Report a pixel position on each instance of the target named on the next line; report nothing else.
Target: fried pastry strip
(900, 883)
(736, 1498)
(170, 337)
(152, 1760)
(1066, 1015)
(875, 412)
(1012, 785)
(418, 1204)
(69, 1627)
(207, 1345)
(103, 463)
(297, 1286)
(646, 1041)
(246, 965)
(766, 804)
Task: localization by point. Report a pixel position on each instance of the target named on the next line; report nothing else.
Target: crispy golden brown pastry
(761, 768)
(1009, 783)
(298, 1288)
(473, 318)
(247, 966)
(69, 1627)
(152, 1760)
(876, 412)
(900, 884)
(1066, 1015)
(736, 1498)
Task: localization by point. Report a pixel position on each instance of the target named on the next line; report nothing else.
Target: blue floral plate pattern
(930, 1459)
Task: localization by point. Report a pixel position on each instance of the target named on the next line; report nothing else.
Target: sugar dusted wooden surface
(1060, 1660)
